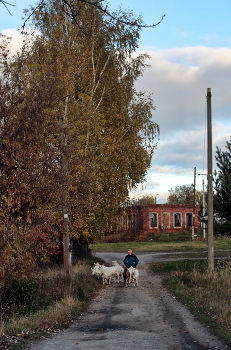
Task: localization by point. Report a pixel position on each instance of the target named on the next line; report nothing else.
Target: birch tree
(86, 78)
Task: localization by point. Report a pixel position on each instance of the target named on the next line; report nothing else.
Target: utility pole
(155, 197)
(64, 171)
(66, 239)
(203, 209)
(194, 204)
(210, 184)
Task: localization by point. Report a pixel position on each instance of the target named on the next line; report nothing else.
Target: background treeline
(75, 132)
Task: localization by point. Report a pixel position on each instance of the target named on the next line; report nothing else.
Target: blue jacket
(131, 260)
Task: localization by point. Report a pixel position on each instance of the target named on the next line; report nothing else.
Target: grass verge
(57, 300)
(206, 294)
(151, 246)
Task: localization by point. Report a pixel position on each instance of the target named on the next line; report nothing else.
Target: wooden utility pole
(194, 205)
(210, 184)
(203, 209)
(64, 171)
(66, 239)
(155, 197)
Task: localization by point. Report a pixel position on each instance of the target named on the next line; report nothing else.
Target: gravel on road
(144, 317)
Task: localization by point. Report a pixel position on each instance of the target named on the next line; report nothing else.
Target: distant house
(154, 218)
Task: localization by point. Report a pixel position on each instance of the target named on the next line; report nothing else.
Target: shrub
(19, 297)
(28, 296)
(165, 236)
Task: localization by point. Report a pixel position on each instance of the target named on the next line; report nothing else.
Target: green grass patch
(199, 254)
(151, 246)
(170, 266)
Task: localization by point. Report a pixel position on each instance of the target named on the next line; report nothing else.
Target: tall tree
(29, 229)
(72, 121)
(146, 199)
(109, 131)
(183, 194)
(222, 183)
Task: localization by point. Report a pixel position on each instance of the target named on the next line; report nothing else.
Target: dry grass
(53, 317)
(213, 291)
(207, 294)
(58, 300)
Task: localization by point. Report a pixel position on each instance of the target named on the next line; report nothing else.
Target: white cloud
(178, 79)
(16, 39)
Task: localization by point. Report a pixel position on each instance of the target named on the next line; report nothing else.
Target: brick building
(153, 218)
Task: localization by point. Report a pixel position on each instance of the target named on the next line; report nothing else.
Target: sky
(190, 51)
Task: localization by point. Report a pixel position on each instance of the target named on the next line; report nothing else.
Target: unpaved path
(143, 317)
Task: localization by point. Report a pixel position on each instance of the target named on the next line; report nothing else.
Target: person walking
(130, 259)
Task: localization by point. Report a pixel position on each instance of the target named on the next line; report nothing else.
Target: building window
(189, 219)
(131, 221)
(177, 220)
(165, 221)
(122, 222)
(153, 220)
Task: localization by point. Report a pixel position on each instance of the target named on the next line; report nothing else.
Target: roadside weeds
(206, 294)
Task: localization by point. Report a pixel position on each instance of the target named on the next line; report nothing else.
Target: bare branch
(106, 12)
(5, 4)
(39, 5)
(73, 14)
(96, 4)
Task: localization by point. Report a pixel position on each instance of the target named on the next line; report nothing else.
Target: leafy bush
(165, 236)
(27, 296)
(223, 229)
(19, 297)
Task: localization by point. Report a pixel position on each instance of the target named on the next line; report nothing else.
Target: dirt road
(143, 317)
